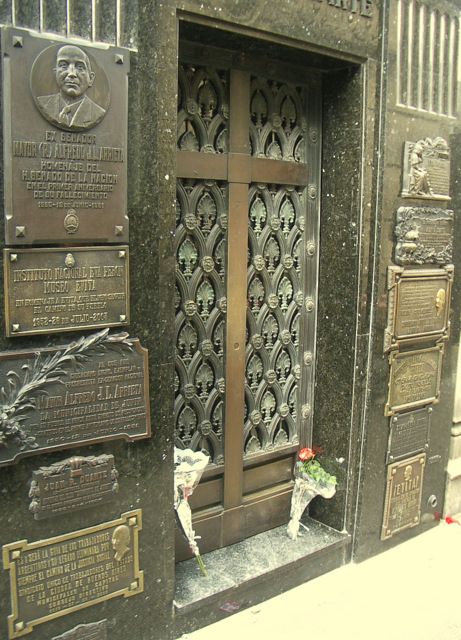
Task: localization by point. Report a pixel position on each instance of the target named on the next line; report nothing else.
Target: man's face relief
(72, 72)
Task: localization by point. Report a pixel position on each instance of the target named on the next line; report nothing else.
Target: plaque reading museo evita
(72, 484)
(409, 433)
(424, 235)
(92, 390)
(65, 289)
(65, 140)
(91, 631)
(426, 169)
(414, 379)
(402, 506)
(418, 304)
(54, 577)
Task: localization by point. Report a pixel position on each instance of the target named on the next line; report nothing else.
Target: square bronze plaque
(424, 235)
(49, 290)
(57, 576)
(418, 304)
(426, 169)
(409, 434)
(414, 379)
(65, 140)
(402, 505)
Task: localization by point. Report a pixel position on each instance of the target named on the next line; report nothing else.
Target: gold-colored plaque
(414, 379)
(418, 305)
(49, 290)
(402, 506)
(57, 576)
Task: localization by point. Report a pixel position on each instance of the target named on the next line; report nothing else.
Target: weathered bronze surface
(72, 484)
(91, 631)
(49, 290)
(418, 304)
(424, 235)
(402, 506)
(65, 140)
(409, 433)
(414, 379)
(426, 169)
(54, 577)
(91, 390)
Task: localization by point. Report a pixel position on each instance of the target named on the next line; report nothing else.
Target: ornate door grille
(246, 277)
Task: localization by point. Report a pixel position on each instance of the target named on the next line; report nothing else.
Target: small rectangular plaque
(426, 169)
(65, 140)
(91, 631)
(57, 576)
(414, 379)
(424, 235)
(418, 304)
(402, 506)
(92, 390)
(409, 433)
(49, 290)
(72, 484)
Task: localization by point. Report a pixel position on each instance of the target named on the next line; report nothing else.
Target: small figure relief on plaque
(402, 505)
(424, 236)
(409, 434)
(93, 390)
(65, 140)
(54, 577)
(418, 305)
(414, 379)
(426, 169)
(91, 631)
(73, 484)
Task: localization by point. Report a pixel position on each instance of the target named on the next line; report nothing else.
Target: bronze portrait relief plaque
(418, 304)
(402, 505)
(92, 390)
(57, 576)
(65, 140)
(426, 169)
(72, 484)
(409, 433)
(414, 379)
(91, 631)
(49, 290)
(424, 235)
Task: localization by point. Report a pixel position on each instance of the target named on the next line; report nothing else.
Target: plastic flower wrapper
(311, 480)
(189, 467)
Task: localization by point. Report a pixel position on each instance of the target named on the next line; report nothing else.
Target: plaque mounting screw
(15, 328)
(121, 254)
(122, 318)
(132, 522)
(20, 232)
(16, 554)
(133, 586)
(19, 626)
(118, 230)
(13, 257)
(118, 58)
(18, 41)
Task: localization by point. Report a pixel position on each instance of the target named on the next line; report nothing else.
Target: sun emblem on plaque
(71, 222)
(69, 260)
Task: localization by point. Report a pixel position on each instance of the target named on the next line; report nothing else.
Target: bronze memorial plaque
(91, 631)
(409, 433)
(426, 169)
(414, 379)
(424, 235)
(92, 390)
(50, 290)
(402, 505)
(54, 577)
(65, 140)
(72, 484)
(418, 304)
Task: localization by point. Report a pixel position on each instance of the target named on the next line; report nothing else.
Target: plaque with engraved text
(65, 140)
(424, 235)
(409, 433)
(72, 484)
(91, 631)
(93, 390)
(57, 576)
(49, 290)
(414, 379)
(418, 304)
(402, 505)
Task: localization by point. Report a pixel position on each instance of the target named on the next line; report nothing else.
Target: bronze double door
(246, 284)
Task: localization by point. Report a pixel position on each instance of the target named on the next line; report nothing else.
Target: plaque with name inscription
(57, 576)
(426, 169)
(91, 631)
(65, 140)
(414, 379)
(418, 305)
(424, 235)
(49, 290)
(72, 484)
(93, 390)
(409, 433)
(402, 505)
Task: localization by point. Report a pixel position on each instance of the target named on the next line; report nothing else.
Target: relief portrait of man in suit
(71, 108)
